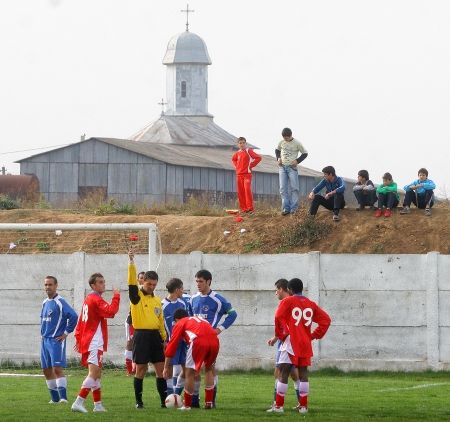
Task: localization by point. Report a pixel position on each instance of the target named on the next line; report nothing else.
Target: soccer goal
(92, 238)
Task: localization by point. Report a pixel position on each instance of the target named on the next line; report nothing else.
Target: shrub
(304, 232)
(7, 203)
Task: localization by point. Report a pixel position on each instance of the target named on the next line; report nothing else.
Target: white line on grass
(5, 374)
(414, 387)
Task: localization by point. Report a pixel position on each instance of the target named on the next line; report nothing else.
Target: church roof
(197, 156)
(186, 47)
(185, 130)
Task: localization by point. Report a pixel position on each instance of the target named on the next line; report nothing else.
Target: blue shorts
(53, 353)
(180, 355)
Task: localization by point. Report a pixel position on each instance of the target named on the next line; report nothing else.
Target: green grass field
(334, 396)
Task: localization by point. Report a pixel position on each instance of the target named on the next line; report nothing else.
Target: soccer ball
(174, 400)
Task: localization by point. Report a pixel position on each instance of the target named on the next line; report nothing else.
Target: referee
(149, 334)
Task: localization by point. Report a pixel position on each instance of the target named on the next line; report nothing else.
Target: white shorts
(129, 331)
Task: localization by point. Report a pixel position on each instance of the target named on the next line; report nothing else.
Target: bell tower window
(183, 89)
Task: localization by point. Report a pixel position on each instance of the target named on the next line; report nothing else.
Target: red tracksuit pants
(244, 191)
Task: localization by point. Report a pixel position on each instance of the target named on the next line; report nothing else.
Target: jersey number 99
(306, 314)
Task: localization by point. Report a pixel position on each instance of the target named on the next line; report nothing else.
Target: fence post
(313, 283)
(432, 282)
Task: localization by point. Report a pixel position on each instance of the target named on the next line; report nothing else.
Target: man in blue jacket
(334, 196)
(420, 193)
(58, 320)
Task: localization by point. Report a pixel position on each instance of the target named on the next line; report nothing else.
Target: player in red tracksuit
(244, 160)
(293, 320)
(203, 348)
(91, 335)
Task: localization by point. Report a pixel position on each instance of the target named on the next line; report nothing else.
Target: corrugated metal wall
(130, 177)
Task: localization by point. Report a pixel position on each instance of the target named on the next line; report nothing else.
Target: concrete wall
(389, 312)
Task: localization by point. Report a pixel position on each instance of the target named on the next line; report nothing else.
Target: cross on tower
(187, 11)
(162, 104)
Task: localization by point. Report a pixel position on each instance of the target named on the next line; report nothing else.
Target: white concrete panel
(23, 272)
(375, 308)
(444, 346)
(28, 303)
(372, 272)
(444, 308)
(444, 271)
(347, 342)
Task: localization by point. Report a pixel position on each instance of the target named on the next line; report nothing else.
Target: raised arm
(133, 288)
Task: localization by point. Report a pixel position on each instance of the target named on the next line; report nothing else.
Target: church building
(180, 155)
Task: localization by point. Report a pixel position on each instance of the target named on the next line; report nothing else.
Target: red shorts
(299, 361)
(94, 356)
(201, 351)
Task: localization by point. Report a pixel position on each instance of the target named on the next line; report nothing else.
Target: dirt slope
(357, 232)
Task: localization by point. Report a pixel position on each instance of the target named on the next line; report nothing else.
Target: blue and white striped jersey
(213, 307)
(57, 317)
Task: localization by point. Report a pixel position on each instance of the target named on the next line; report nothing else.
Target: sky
(363, 84)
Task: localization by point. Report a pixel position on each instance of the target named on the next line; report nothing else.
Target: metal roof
(186, 47)
(197, 156)
(186, 130)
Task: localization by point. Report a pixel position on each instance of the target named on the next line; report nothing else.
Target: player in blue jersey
(211, 306)
(58, 320)
(176, 299)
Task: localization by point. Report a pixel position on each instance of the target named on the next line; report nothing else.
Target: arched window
(183, 89)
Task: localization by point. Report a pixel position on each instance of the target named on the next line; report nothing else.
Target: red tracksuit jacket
(245, 160)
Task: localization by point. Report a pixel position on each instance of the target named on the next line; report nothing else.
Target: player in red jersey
(91, 335)
(203, 348)
(293, 320)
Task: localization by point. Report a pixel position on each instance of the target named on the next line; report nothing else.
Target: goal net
(113, 238)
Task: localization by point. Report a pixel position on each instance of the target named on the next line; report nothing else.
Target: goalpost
(25, 238)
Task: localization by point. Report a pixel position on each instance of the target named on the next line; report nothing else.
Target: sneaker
(184, 408)
(209, 406)
(271, 407)
(63, 401)
(275, 409)
(359, 207)
(387, 212)
(139, 405)
(405, 210)
(303, 410)
(378, 212)
(52, 402)
(78, 407)
(336, 217)
(285, 212)
(98, 407)
(428, 212)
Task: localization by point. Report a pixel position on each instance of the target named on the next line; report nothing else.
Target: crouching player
(176, 299)
(293, 320)
(203, 348)
(91, 336)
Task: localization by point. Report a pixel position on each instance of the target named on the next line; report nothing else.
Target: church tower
(187, 62)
